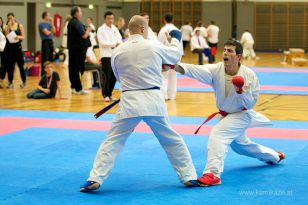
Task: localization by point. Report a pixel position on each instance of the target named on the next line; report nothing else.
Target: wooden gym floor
(276, 107)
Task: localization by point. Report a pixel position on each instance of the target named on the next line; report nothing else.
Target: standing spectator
(186, 33)
(151, 34)
(108, 37)
(199, 46)
(77, 45)
(2, 46)
(92, 33)
(120, 25)
(247, 43)
(46, 30)
(213, 31)
(64, 39)
(48, 85)
(13, 50)
(169, 82)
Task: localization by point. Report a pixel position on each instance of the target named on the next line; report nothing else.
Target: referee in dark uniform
(77, 41)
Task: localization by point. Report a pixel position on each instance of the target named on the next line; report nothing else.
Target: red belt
(221, 112)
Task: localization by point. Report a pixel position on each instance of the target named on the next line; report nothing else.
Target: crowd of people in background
(81, 38)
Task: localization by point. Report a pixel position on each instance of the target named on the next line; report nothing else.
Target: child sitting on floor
(48, 85)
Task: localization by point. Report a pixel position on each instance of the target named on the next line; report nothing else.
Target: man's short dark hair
(238, 46)
(74, 10)
(108, 13)
(144, 14)
(168, 17)
(44, 14)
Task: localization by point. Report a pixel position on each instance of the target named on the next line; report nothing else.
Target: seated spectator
(48, 85)
(199, 45)
(91, 63)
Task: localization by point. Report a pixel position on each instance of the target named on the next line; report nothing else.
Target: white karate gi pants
(248, 50)
(171, 141)
(169, 84)
(231, 130)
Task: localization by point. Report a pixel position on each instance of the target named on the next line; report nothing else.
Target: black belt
(152, 88)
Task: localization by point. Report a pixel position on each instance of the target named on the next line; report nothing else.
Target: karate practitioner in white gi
(169, 85)
(237, 104)
(247, 42)
(137, 65)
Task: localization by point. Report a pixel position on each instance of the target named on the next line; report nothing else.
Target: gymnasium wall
(275, 33)
(245, 17)
(221, 13)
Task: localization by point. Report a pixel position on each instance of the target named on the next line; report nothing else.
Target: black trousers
(76, 67)
(185, 44)
(199, 51)
(2, 68)
(47, 53)
(109, 78)
(14, 55)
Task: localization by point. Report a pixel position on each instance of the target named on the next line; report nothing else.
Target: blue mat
(47, 166)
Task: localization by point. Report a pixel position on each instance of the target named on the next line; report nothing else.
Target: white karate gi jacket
(214, 75)
(145, 71)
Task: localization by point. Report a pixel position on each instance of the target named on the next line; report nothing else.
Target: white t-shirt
(186, 32)
(212, 31)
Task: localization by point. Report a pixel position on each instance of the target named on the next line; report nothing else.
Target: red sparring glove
(168, 66)
(238, 82)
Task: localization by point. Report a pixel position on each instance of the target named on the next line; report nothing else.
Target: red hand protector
(238, 81)
(168, 66)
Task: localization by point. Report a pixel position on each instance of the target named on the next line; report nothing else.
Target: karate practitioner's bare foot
(192, 183)
(89, 186)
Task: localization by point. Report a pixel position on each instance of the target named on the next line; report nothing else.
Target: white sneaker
(73, 91)
(107, 99)
(10, 85)
(22, 85)
(82, 92)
